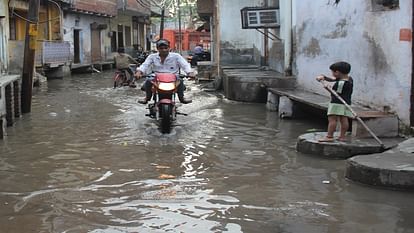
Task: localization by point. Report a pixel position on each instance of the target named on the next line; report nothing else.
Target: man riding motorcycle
(164, 62)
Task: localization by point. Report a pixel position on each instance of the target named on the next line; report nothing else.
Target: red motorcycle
(163, 108)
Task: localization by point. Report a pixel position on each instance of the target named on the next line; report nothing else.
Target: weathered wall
(237, 45)
(4, 36)
(368, 38)
(78, 21)
(124, 20)
(74, 21)
(276, 49)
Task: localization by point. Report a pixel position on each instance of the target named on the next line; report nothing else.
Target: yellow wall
(48, 27)
(20, 25)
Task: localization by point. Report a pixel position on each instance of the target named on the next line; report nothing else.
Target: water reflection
(88, 160)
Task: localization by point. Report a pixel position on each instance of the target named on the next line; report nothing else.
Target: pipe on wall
(217, 39)
(266, 41)
(288, 37)
(412, 68)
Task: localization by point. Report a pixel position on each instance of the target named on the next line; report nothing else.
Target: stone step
(391, 169)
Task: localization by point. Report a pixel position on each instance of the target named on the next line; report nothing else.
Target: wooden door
(95, 44)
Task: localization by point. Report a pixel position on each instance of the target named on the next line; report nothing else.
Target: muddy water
(86, 159)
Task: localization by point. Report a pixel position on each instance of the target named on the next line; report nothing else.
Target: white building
(374, 36)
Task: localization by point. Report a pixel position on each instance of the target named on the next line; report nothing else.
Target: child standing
(337, 111)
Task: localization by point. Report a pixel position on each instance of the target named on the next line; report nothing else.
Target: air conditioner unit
(260, 17)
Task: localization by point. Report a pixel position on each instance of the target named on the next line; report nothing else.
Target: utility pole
(179, 27)
(29, 55)
(162, 23)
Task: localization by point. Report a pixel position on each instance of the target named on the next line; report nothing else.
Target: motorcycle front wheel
(166, 118)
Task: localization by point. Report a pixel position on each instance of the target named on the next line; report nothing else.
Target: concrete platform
(392, 169)
(309, 144)
(238, 66)
(290, 101)
(91, 67)
(250, 85)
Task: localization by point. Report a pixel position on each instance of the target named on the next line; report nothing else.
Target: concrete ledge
(395, 171)
(284, 101)
(250, 85)
(391, 169)
(309, 144)
(381, 123)
(9, 101)
(89, 67)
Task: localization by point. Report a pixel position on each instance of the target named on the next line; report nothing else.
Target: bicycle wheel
(118, 80)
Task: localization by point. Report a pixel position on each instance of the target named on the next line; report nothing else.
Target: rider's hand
(191, 75)
(138, 74)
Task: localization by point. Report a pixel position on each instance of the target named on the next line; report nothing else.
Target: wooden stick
(353, 113)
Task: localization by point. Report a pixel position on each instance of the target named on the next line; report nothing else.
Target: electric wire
(38, 22)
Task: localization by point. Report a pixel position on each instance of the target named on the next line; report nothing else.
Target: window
(383, 5)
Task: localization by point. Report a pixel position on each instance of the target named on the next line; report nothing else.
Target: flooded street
(86, 159)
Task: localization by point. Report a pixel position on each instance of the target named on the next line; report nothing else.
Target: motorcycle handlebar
(180, 75)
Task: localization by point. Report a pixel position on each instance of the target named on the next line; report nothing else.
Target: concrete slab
(249, 85)
(309, 144)
(383, 124)
(238, 66)
(391, 169)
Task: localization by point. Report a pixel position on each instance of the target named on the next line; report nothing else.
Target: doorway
(120, 36)
(96, 43)
(76, 46)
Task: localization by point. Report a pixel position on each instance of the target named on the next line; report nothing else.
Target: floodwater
(86, 159)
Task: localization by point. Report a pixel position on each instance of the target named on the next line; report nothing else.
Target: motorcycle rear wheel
(166, 118)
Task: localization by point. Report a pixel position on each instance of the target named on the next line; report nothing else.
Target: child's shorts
(339, 110)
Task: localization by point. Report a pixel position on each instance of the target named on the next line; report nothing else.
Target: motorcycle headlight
(166, 86)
